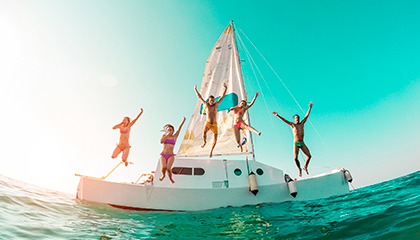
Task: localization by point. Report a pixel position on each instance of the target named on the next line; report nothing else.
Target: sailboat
(202, 183)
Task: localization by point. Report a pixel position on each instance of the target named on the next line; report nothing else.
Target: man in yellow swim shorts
(211, 113)
(212, 127)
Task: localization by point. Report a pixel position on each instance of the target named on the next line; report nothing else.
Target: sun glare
(109, 80)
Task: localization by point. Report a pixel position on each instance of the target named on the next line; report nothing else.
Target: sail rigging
(223, 66)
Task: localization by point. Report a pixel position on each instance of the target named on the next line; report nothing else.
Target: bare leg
(206, 129)
(116, 152)
(249, 128)
(305, 150)
(163, 164)
(295, 155)
(169, 168)
(237, 136)
(214, 144)
(125, 156)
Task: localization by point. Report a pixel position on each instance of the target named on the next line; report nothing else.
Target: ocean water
(388, 210)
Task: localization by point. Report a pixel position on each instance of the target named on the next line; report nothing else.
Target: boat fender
(291, 185)
(253, 185)
(347, 176)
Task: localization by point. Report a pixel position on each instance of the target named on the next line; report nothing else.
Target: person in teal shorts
(298, 133)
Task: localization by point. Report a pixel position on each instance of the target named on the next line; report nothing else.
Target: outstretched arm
(235, 108)
(281, 118)
(117, 126)
(179, 128)
(307, 113)
(135, 119)
(223, 95)
(253, 100)
(199, 95)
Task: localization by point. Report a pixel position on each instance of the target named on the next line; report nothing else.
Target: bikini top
(169, 141)
(124, 130)
(238, 112)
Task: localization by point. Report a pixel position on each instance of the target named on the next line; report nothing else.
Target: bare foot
(126, 163)
(306, 170)
(300, 172)
(259, 134)
(241, 148)
(211, 154)
(161, 178)
(172, 181)
(204, 144)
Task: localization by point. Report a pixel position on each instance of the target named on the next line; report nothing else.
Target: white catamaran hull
(217, 187)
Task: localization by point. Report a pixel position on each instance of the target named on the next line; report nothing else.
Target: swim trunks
(212, 127)
(299, 144)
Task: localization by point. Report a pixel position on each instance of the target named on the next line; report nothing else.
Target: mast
(251, 142)
(223, 66)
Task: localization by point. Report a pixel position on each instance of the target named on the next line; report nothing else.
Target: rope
(251, 60)
(286, 89)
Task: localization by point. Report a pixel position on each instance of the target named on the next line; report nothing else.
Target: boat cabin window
(198, 171)
(188, 171)
(182, 170)
(260, 171)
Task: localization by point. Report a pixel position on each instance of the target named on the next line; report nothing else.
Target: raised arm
(307, 113)
(135, 119)
(223, 95)
(253, 100)
(199, 95)
(281, 118)
(179, 128)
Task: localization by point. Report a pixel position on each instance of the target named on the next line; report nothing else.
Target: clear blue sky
(70, 70)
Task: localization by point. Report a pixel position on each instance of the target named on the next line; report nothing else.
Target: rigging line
(255, 75)
(262, 77)
(286, 89)
(272, 70)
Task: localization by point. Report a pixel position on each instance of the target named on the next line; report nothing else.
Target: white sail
(222, 66)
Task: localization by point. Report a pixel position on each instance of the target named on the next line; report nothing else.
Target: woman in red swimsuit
(167, 157)
(123, 145)
(239, 123)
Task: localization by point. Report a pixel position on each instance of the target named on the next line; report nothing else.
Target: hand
(224, 85)
(141, 110)
(310, 104)
(275, 114)
(195, 87)
(183, 118)
(256, 94)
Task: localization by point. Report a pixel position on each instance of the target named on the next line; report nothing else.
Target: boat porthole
(260, 171)
(237, 172)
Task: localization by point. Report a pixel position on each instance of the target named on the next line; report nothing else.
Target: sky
(71, 70)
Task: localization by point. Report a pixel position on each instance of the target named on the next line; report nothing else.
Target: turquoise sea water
(388, 210)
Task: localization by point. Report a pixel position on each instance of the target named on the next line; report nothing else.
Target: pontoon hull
(185, 196)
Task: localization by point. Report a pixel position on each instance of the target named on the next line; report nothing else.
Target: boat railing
(104, 177)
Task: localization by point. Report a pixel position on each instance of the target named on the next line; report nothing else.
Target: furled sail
(222, 66)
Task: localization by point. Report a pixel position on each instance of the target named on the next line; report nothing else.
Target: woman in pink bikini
(167, 156)
(123, 145)
(239, 123)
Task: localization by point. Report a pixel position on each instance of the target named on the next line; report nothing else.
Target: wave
(387, 210)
